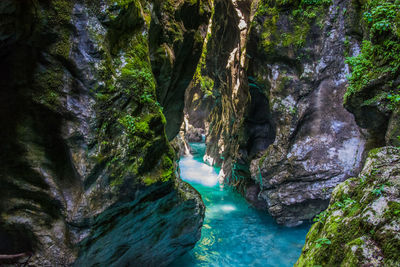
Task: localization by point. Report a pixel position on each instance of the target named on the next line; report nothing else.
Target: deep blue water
(234, 233)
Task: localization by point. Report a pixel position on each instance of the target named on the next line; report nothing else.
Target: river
(234, 233)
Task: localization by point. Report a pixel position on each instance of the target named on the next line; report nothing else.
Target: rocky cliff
(216, 101)
(87, 175)
(291, 94)
(277, 124)
(361, 225)
(298, 52)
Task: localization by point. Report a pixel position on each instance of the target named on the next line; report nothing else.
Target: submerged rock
(361, 225)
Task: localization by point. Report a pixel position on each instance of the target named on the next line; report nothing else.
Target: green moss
(393, 211)
(302, 16)
(262, 159)
(121, 3)
(147, 180)
(142, 128)
(131, 133)
(169, 168)
(164, 173)
(379, 59)
(205, 82)
(345, 225)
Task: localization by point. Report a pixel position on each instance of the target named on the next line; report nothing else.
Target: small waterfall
(194, 170)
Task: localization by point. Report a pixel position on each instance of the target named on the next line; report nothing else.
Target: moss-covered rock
(374, 85)
(177, 33)
(301, 141)
(219, 94)
(361, 225)
(88, 175)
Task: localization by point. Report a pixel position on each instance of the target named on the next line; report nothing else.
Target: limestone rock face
(317, 143)
(278, 121)
(176, 36)
(216, 100)
(87, 175)
(361, 225)
(372, 99)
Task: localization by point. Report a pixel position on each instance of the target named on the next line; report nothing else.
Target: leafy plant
(394, 99)
(380, 53)
(322, 241)
(129, 123)
(321, 217)
(349, 202)
(146, 97)
(345, 204)
(378, 191)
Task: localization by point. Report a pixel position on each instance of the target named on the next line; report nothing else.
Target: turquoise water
(235, 234)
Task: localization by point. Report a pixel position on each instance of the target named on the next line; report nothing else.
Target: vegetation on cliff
(361, 225)
(85, 153)
(373, 94)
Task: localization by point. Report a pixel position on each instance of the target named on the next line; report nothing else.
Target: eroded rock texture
(176, 40)
(362, 221)
(361, 225)
(278, 126)
(298, 64)
(87, 175)
(216, 101)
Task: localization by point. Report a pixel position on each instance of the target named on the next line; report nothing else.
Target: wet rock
(194, 134)
(311, 142)
(88, 176)
(360, 226)
(176, 37)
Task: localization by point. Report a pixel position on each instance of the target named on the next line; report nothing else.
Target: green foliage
(136, 75)
(142, 128)
(206, 85)
(135, 80)
(205, 82)
(321, 217)
(302, 16)
(136, 126)
(129, 123)
(380, 15)
(315, 2)
(394, 98)
(380, 52)
(322, 241)
(379, 190)
(146, 97)
(131, 137)
(122, 3)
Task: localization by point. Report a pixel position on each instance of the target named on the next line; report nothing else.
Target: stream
(234, 233)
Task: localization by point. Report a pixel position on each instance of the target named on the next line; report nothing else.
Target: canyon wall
(361, 225)
(274, 114)
(93, 92)
(298, 61)
(87, 175)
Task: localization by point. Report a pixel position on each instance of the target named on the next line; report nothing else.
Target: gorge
(296, 103)
(233, 233)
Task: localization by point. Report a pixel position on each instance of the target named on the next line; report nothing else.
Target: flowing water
(234, 233)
